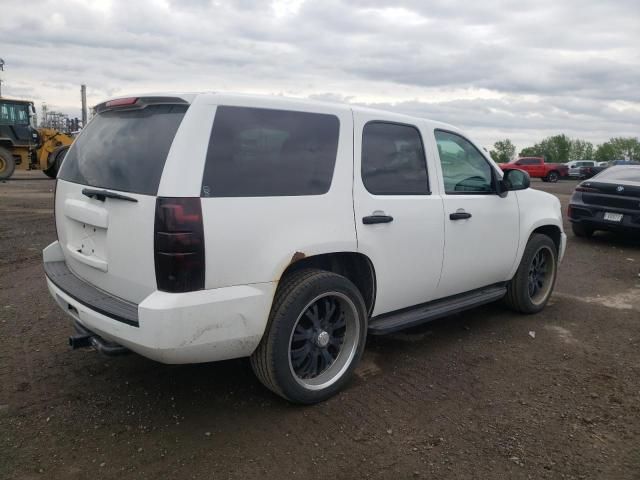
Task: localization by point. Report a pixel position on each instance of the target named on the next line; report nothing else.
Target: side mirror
(513, 180)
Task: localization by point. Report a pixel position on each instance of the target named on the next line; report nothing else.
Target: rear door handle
(380, 218)
(459, 216)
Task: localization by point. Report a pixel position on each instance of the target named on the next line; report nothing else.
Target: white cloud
(523, 69)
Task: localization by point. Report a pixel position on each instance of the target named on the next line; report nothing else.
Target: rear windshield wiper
(102, 194)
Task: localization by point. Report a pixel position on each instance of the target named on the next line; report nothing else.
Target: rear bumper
(202, 326)
(592, 216)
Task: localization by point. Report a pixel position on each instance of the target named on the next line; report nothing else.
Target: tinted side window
(124, 149)
(529, 161)
(261, 152)
(464, 168)
(393, 161)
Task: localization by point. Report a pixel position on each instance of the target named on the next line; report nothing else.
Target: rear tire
(582, 231)
(552, 176)
(531, 287)
(314, 338)
(7, 164)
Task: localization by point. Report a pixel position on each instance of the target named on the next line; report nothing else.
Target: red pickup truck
(537, 168)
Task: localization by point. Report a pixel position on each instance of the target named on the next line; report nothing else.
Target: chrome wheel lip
(542, 293)
(347, 351)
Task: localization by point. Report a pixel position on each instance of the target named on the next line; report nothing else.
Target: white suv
(202, 227)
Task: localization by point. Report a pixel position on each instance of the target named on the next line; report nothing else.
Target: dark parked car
(608, 201)
(588, 172)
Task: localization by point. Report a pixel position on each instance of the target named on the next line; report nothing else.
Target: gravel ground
(484, 394)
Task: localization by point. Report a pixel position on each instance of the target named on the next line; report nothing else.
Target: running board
(410, 317)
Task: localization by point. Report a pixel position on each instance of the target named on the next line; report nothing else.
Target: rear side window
(393, 161)
(124, 149)
(256, 152)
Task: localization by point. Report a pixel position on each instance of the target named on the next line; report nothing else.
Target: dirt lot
(470, 396)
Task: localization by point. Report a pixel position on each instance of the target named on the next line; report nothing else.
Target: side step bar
(426, 312)
(85, 338)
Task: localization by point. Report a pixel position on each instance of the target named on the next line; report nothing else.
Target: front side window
(257, 152)
(464, 168)
(393, 161)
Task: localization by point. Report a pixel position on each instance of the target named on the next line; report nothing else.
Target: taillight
(55, 219)
(179, 245)
(586, 189)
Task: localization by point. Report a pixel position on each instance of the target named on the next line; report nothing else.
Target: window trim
(424, 155)
(494, 177)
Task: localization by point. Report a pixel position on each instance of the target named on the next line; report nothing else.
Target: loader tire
(55, 161)
(7, 164)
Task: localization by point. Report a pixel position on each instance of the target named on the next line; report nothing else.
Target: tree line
(562, 149)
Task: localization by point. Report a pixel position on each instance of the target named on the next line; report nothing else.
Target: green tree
(504, 151)
(554, 149)
(606, 152)
(626, 148)
(619, 148)
(581, 150)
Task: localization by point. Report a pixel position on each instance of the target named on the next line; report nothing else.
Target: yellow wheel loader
(24, 147)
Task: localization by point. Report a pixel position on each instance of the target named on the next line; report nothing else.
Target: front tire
(552, 177)
(314, 338)
(531, 287)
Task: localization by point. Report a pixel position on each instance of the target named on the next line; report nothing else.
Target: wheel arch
(551, 231)
(355, 266)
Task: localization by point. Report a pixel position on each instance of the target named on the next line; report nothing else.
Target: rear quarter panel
(254, 239)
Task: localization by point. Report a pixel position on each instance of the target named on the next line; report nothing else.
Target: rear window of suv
(256, 152)
(124, 149)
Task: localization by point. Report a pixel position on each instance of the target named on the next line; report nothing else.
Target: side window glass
(393, 160)
(464, 168)
(255, 152)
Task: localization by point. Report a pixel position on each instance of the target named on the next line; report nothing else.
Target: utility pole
(1, 70)
(83, 96)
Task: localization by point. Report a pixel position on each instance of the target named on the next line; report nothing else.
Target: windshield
(14, 114)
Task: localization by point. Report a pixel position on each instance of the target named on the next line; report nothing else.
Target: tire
(544, 179)
(57, 156)
(303, 334)
(552, 176)
(7, 164)
(580, 230)
(520, 296)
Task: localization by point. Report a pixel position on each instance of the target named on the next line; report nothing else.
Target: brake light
(586, 189)
(179, 245)
(121, 102)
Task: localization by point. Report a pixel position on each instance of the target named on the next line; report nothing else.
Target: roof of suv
(300, 103)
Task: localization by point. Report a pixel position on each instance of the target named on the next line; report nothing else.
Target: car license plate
(612, 217)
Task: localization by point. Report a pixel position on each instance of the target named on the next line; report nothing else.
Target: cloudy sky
(518, 69)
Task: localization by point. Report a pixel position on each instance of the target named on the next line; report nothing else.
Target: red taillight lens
(121, 102)
(179, 245)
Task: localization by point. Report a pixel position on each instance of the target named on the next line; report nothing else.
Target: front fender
(537, 209)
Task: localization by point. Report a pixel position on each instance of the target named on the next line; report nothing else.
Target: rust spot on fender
(297, 256)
